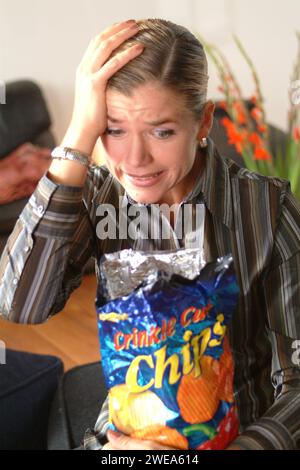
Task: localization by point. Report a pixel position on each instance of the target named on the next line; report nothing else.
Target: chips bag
(166, 359)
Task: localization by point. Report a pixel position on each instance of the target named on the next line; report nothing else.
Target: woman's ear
(206, 121)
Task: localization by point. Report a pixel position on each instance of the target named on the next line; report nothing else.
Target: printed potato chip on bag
(166, 358)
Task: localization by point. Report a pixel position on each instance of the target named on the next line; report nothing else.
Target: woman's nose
(137, 154)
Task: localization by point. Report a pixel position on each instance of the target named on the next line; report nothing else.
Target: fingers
(108, 45)
(109, 446)
(113, 30)
(94, 42)
(119, 441)
(118, 61)
(107, 35)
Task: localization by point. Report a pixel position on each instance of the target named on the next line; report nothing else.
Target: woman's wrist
(67, 172)
(73, 173)
(79, 140)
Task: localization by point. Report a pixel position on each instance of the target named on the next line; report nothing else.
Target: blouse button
(40, 210)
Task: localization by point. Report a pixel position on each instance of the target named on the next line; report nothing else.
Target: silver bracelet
(66, 153)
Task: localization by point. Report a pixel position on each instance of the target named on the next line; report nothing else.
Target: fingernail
(114, 434)
(130, 21)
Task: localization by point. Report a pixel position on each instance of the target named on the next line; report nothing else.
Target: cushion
(24, 117)
(28, 384)
(76, 406)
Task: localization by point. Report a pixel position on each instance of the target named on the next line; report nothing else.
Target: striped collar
(215, 185)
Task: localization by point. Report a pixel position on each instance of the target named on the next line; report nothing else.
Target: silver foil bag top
(123, 271)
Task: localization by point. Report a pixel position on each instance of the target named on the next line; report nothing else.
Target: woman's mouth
(144, 180)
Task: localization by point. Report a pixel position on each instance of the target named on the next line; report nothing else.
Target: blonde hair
(172, 56)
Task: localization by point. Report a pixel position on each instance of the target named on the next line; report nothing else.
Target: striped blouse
(255, 218)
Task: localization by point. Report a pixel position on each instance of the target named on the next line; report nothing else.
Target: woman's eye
(160, 133)
(113, 131)
(163, 134)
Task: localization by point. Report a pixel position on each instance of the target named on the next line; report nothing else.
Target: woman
(146, 108)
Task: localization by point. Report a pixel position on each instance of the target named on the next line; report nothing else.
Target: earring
(203, 142)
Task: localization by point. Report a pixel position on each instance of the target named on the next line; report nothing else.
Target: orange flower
(296, 134)
(241, 118)
(223, 105)
(253, 99)
(226, 122)
(256, 114)
(255, 139)
(234, 136)
(262, 128)
(261, 153)
(239, 148)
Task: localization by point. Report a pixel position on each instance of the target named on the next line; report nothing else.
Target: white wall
(45, 40)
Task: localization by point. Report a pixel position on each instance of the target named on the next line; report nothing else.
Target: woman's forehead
(154, 104)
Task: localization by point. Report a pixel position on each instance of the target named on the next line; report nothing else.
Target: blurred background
(44, 40)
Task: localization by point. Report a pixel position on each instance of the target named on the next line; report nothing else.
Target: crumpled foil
(123, 271)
